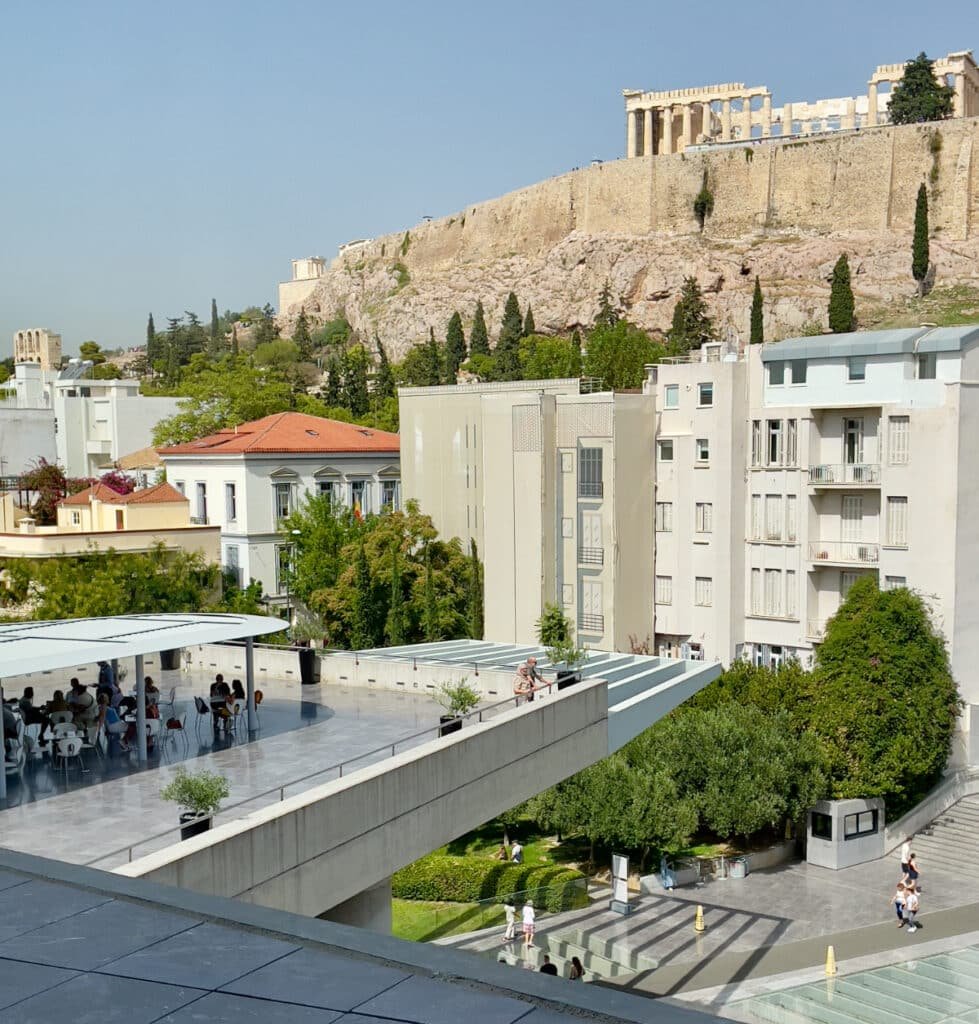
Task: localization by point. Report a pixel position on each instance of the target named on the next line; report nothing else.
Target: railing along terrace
(591, 556)
(592, 623)
(847, 473)
(590, 489)
(857, 552)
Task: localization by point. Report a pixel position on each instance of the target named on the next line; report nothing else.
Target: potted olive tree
(457, 700)
(200, 794)
(556, 632)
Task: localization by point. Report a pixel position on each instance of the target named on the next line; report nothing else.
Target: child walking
(898, 899)
(911, 907)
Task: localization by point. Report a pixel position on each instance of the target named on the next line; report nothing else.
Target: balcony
(591, 556)
(815, 629)
(591, 623)
(853, 474)
(590, 489)
(199, 521)
(836, 552)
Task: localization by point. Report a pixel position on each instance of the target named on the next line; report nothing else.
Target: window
(590, 473)
(791, 603)
(774, 442)
(327, 489)
(862, 824)
(231, 563)
(281, 568)
(756, 592)
(791, 442)
(360, 497)
(856, 368)
(773, 592)
(927, 366)
(390, 495)
(703, 591)
(665, 449)
(664, 516)
(704, 517)
(897, 521)
(230, 502)
(756, 517)
(591, 617)
(799, 371)
(76, 519)
(899, 430)
(776, 373)
(282, 496)
(664, 590)
(847, 579)
(853, 441)
(756, 442)
(773, 517)
(201, 502)
(821, 825)
(671, 396)
(179, 484)
(702, 447)
(895, 582)
(791, 517)
(705, 394)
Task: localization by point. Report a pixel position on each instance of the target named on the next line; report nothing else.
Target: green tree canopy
(618, 354)
(691, 325)
(543, 357)
(841, 319)
(529, 327)
(92, 351)
(920, 96)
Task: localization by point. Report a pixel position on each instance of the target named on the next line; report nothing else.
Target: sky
(156, 155)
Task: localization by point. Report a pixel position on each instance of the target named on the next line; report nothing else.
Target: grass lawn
(424, 920)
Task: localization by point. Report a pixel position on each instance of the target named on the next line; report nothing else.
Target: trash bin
(739, 867)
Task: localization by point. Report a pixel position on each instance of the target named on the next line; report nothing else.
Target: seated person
(152, 692)
(218, 686)
(114, 726)
(9, 729)
(237, 690)
(127, 707)
(57, 703)
(84, 705)
(33, 715)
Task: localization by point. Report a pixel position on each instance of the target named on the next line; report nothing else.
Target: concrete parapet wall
(312, 852)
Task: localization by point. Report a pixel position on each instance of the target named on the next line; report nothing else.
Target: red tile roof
(156, 495)
(290, 432)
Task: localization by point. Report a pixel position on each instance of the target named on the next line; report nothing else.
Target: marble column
(707, 120)
(647, 132)
(787, 119)
(668, 129)
(849, 119)
(630, 133)
(746, 118)
(726, 121)
(766, 117)
(958, 100)
(687, 126)
(872, 105)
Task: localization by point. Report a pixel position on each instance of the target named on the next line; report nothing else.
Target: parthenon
(672, 121)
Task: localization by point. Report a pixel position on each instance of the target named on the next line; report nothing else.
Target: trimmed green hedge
(471, 879)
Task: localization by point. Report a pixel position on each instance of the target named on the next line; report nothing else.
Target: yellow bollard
(830, 968)
(698, 921)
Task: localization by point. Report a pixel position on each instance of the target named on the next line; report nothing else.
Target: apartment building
(249, 478)
(555, 487)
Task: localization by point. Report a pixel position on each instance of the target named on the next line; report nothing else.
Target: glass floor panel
(940, 989)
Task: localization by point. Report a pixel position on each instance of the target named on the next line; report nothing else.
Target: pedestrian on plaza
(911, 906)
(905, 854)
(547, 967)
(516, 852)
(511, 922)
(898, 900)
(577, 972)
(529, 920)
(911, 874)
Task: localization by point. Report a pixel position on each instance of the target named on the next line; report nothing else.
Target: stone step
(946, 857)
(945, 837)
(600, 965)
(610, 949)
(520, 957)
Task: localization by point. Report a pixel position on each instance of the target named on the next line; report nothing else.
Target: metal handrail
(280, 789)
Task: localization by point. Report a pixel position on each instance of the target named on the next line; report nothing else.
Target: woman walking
(511, 922)
(898, 900)
(577, 972)
(529, 917)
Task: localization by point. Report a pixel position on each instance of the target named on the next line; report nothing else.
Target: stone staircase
(951, 842)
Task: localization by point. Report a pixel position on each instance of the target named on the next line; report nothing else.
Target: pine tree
(362, 620)
(395, 626)
(508, 345)
(919, 96)
(919, 247)
(301, 337)
(757, 316)
(478, 338)
(529, 327)
(607, 314)
(214, 341)
(384, 383)
(841, 298)
(429, 602)
(455, 347)
(474, 605)
(691, 324)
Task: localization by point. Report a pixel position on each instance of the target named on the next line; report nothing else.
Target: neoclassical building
(672, 121)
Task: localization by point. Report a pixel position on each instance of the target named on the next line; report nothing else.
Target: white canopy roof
(64, 643)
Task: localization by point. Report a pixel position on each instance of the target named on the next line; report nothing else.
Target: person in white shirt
(511, 922)
(516, 852)
(529, 918)
(905, 854)
(911, 908)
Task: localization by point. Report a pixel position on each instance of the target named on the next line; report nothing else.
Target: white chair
(169, 704)
(68, 747)
(59, 717)
(15, 758)
(32, 740)
(65, 729)
(92, 739)
(154, 732)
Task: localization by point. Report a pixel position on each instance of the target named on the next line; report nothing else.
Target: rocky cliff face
(784, 213)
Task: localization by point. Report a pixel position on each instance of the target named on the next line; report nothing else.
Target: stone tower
(37, 345)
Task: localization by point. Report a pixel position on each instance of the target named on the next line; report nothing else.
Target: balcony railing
(591, 556)
(815, 629)
(847, 552)
(592, 623)
(851, 474)
(590, 489)
(198, 521)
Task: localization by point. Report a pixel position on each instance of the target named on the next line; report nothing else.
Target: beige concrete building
(38, 345)
(556, 489)
(675, 120)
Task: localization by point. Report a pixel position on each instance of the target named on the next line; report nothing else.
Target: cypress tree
(361, 625)
(508, 345)
(334, 382)
(455, 347)
(474, 607)
(152, 348)
(384, 384)
(529, 327)
(429, 602)
(355, 394)
(576, 346)
(919, 247)
(301, 337)
(479, 339)
(433, 366)
(214, 339)
(757, 318)
(691, 325)
(841, 298)
(395, 626)
(234, 339)
(607, 315)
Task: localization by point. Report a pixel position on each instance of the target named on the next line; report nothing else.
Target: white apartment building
(556, 489)
(828, 458)
(249, 478)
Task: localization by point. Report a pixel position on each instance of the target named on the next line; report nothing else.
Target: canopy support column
(140, 711)
(3, 751)
(250, 682)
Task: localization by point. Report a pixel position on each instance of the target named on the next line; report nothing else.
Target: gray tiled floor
(221, 1008)
(20, 980)
(425, 1001)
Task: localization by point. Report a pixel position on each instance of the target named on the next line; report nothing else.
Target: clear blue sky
(157, 154)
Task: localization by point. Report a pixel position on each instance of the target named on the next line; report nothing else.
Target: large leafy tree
(618, 354)
(841, 319)
(919, 245)
(508, 345)
(478, 337)
(543, 357)
(691, 325)
(920, 96)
